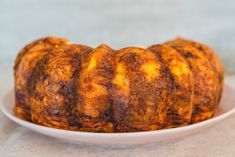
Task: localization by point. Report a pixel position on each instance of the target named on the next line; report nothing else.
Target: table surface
(17, 141)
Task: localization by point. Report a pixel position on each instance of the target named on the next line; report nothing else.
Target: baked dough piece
(76, 87)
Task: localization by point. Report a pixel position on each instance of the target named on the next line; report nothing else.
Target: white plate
(227, 108)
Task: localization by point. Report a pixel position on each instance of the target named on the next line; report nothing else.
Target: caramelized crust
(75, 87)
(209, 54)
(180, 94)
(52, 87)
(208, 74)
(25, 62)
(93, 104)
(205, 83)
(137, 100)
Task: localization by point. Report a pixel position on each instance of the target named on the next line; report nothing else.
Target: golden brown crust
(52, 87)
(136, 89)
(209, 54)
(75, 87)
(206, 83)
(25, 62)
(93, 104)
(180, 91)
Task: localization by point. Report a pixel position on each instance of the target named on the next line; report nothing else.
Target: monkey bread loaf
(76, 87)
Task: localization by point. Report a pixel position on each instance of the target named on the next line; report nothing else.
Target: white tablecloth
(17, 141)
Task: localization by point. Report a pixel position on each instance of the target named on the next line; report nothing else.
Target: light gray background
(118, 23)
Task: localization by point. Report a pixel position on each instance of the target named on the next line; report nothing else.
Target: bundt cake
(76, 87)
